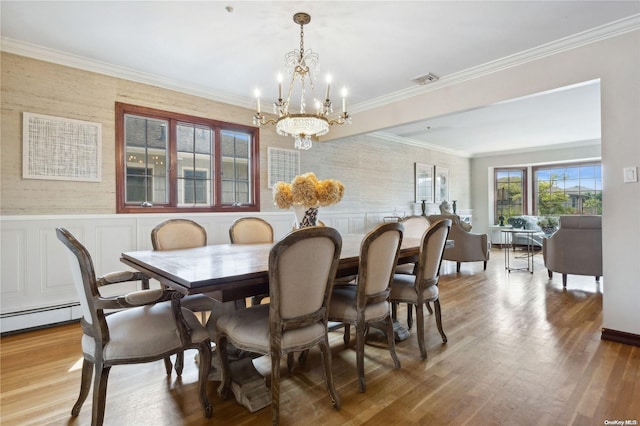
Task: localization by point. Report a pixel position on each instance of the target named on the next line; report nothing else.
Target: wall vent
(424, 79)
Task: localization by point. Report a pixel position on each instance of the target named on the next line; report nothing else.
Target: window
(510, 194)
(568, 189)
(173, 163)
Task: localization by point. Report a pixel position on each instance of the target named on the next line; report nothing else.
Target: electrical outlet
(630, 174)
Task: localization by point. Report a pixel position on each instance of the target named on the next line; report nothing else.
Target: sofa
(527, 222)
(575, 248)
(468, 247)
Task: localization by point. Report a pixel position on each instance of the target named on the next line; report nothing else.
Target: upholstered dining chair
(422, 288)
(302, 267)
(367, 302)
(149, 325)
(251, 230)
(414, 227)
(176, 234)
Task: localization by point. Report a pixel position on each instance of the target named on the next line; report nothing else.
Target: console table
(507, 243)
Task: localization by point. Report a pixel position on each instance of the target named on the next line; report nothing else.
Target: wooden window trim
(122, 207)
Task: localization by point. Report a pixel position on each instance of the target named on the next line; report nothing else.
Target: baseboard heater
(29, 319)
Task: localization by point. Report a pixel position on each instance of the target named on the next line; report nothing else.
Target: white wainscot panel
(14, 269)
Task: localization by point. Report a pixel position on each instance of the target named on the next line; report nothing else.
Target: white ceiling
(373, 48)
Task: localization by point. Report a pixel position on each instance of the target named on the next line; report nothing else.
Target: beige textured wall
(378, 175)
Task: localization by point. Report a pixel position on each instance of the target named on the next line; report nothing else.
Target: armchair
(149, 325)
(468, 247)
(575, 248)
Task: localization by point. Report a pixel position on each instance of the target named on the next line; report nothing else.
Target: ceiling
(225, 50)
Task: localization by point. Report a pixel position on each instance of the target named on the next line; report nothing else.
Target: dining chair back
(367, 302)
(422, 288)
(177, 234)
(302, 267)
(148, 326)
(250, 230)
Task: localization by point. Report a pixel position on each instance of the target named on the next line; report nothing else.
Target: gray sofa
(526, 222)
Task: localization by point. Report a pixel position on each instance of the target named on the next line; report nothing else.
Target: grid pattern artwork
(57, 148)
(284, 165)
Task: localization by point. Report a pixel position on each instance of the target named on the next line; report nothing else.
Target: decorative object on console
(301, 66)
(306, 193)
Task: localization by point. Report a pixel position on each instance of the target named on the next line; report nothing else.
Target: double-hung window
(169, 162)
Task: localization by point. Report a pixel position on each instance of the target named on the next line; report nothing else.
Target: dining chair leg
(302, 359)
(275, 387)
(409, 315)
(347, 334)
(85, 386)
(225, 373)
(391, 342)
(204, 366)
(290, 361)
(168, 365)
(99, 393)
(436, 305)
(179, 366)
(420, 321)
(328, 374)
(360, 356)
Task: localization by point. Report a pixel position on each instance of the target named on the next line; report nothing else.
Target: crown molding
(622, 26)
(420, 144)
(616, 28)
(74, 61)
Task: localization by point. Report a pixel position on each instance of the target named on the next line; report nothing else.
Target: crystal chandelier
(301, 67)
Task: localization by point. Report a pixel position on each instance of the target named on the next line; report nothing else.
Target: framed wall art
(283, 165)
(442, 184)
(56, 148)
(423, 182)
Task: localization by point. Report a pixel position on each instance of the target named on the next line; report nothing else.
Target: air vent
(424, 79)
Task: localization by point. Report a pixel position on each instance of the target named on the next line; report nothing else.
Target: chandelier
(302, 126)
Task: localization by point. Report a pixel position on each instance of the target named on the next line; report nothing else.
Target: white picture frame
(56, 148)
(441, 184)
(282, 165)
(423, 182)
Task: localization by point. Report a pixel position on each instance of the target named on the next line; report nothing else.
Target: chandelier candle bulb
(326, 96)
(279, 86)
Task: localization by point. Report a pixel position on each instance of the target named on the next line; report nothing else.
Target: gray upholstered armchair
(576, 248)
(468, 247)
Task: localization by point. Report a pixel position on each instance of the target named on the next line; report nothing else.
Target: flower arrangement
(308, 191)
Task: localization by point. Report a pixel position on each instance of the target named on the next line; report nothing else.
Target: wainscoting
(36, 284)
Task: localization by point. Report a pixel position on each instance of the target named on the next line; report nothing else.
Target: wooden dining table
(227, 272)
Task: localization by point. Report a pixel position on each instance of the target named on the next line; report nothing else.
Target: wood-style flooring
(521, 351)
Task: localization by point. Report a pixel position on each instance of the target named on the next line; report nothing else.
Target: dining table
(228, 272)
(232, 272)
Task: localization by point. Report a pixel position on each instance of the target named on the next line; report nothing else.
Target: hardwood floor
(521, 351)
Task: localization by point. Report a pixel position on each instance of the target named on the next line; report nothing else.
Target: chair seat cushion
(145, 332)
(403, 289)
(405, 268)
(197, 302)
(249, 329)
(343, 306)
